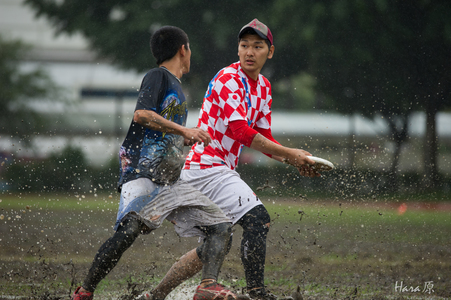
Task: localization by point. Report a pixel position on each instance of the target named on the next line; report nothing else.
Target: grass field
(331, 249)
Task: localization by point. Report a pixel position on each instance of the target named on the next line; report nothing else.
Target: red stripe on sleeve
(242, 133)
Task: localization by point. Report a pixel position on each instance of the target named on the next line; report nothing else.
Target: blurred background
(364, 84)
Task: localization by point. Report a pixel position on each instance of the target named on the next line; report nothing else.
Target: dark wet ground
(46, 253)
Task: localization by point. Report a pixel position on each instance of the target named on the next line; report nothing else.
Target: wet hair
(166, 41)
(252, 31)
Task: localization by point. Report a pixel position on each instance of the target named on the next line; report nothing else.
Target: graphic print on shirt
(125, 162)
(174, 111)
(162, 153)
(151, 153)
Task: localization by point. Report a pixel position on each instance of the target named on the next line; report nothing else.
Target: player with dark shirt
(150, 163)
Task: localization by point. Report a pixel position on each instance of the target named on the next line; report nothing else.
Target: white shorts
(180, 203)
(225, 188)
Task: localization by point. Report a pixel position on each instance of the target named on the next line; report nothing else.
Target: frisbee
(321, 164)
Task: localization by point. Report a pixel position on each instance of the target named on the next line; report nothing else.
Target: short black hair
(252, 31)
(166, 41)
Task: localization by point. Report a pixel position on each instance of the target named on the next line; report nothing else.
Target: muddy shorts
(225, 188)
(180, 203)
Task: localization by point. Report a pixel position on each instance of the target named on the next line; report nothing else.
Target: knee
(200, 249)
(127, 232)
(221, 229)
(256, 220)
(265, 219)
(221, 232)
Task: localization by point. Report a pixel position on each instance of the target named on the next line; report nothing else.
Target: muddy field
(330, 249)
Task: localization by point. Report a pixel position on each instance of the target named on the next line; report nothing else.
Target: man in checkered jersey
(236, 112)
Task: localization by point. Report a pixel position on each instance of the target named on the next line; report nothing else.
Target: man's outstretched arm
(152, 120)
(254, 140)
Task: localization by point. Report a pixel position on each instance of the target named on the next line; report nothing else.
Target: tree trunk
(395, 166)
(430, 147)
(351, 142)
(399, 132)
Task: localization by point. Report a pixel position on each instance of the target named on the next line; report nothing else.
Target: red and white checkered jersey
(230, 96)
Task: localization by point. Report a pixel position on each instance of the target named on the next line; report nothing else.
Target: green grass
(415, 225)
(358, 215)
(60, 202)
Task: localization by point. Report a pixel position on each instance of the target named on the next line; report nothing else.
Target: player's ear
(271, 51)
(182, 50)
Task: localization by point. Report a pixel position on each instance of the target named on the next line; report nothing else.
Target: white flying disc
(321, 164)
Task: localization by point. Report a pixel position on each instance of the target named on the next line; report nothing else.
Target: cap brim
(247, 29)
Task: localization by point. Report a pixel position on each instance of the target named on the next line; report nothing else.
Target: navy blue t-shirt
(154, 154)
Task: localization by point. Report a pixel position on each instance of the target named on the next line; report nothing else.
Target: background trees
(19, 90)
(378, 58)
